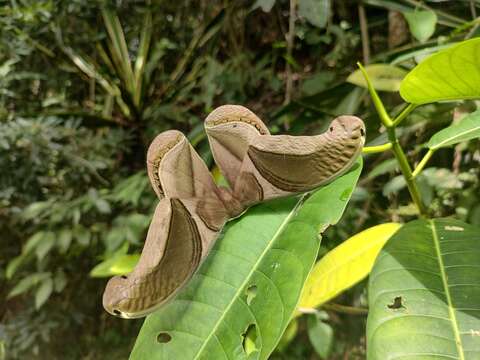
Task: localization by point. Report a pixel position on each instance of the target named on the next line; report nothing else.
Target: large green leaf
(249, 285)
(468, 128)
(424, 293)
(450, 74)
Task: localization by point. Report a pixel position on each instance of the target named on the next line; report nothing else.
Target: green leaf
(384, 77)
(44, 246)
(421, 23)
(27, 283)
(13, 266)
(64, 240)
(43, 292)
(266, 5)
(468, 128)
(320, 334)
(116, 265)
(270, 249)
(317, 12)
(33, 242)
(451, 74)
(288, 335)
(345, 265)
(424, 293)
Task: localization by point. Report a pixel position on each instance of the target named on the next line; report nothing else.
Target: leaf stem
(377, 148)
(422, 163)
(403, 114)
(395, 145)
(406, 171)
(384, 117)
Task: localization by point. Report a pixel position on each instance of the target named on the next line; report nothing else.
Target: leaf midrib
(451, 309)
(441, 143)
(249, 275)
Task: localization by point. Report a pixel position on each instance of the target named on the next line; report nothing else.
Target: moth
(192, 209)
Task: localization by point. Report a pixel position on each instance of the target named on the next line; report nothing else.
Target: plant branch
(403, 114)
(422, 163)
(406, 171)
(364, 33)
(384, 117)
(290, 43)
(376, 149)
(396, 148)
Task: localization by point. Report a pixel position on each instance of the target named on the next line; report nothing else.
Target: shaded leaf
(44, 246)
(468, 128)
(43, 292)
(320, 334)
(421, 23)
(450, 74)
(317, 12)
(266, 5)
(27, 283)
(384, 77)
(345, 265)
(272, 247)
(424, 293)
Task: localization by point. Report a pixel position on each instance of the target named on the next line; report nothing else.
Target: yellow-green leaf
(116, 265)
(384, 77)
(450, 74)
(345, 265)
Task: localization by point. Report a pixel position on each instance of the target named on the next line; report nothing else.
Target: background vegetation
(85, 86)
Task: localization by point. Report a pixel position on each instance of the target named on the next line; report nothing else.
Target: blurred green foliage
(85, 86)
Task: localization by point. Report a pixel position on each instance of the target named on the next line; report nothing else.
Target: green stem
(384, 117)
(406, 171)
(377, 148)
(422, 163)
(403, 114)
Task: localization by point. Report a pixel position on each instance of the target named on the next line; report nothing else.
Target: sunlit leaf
(384, 77)
(116, 265)
(421, 23)
(345, 265)
(424, 292)
(466, 129)
(271, 248)
(450, 74)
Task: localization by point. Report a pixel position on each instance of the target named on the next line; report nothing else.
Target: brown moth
(193, 209)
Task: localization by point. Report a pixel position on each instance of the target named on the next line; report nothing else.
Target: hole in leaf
(124, 277)
(251, 292)
(249, 338)
(117, 312)
(163, 338)
(362, 132)
(397, 303)
(331, 128)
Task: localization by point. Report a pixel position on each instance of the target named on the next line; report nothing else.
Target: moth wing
(230, 129)
(176, 170)
(284, 164)
(176, 243)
